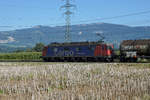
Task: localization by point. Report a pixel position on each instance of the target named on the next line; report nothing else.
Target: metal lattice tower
(68, 7)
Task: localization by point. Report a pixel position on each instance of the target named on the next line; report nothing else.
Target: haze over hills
(113, 33)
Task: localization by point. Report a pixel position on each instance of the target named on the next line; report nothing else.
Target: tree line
(37, 48)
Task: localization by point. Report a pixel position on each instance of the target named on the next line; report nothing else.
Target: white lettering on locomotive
(64, 53)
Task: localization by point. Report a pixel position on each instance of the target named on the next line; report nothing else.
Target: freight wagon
(78, 51)
(131, 50)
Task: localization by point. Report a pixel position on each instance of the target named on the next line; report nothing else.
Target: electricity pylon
(68, 7)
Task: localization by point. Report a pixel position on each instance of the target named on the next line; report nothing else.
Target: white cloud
(80, 33)
(98, 32)
(9, 40)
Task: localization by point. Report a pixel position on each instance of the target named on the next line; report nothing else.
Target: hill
(84, 32)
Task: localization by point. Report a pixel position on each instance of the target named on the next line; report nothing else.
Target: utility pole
(68, 7)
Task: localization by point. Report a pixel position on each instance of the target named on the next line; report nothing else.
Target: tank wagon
(78, 51)
(131, 50)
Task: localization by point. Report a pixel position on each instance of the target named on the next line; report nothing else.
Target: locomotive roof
(136, 42)
(75, 43)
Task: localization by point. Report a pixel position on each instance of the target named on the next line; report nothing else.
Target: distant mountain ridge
(113, 33)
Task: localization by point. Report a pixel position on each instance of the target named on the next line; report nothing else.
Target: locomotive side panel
(71, 51)
(78, 52)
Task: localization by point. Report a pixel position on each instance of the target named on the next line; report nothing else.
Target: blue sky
(26, 13)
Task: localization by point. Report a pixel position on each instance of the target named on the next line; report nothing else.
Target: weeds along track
(74, 81)
(21, 61)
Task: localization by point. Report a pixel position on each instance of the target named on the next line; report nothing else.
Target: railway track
(115, 61)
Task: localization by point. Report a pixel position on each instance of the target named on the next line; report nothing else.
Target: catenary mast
(68, 7)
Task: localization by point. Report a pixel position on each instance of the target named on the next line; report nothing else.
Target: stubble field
(74, 81)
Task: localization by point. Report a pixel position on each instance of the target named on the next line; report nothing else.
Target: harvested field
(74, 81)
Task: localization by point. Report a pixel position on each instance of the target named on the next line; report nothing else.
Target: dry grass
(74, 81)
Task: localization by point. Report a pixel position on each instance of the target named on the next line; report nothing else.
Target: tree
(38, 47)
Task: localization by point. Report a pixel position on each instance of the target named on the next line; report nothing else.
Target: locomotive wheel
(50, 60)
(79, 59)
(70, 59)
(88, 59)
(110, 60)
(122, 59)
(107, 60)
(45, 59)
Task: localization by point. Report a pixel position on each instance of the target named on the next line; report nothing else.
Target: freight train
(130, 50)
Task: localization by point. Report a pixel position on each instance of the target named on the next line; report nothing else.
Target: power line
(92, 20)
(6, 26)
(116, 17)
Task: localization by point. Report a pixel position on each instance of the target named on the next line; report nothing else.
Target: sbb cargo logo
(64, 53)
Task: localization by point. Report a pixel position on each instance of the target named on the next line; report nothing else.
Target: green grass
(20, 56)
(1, 91)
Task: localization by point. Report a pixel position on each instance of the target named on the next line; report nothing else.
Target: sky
(17, 14)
